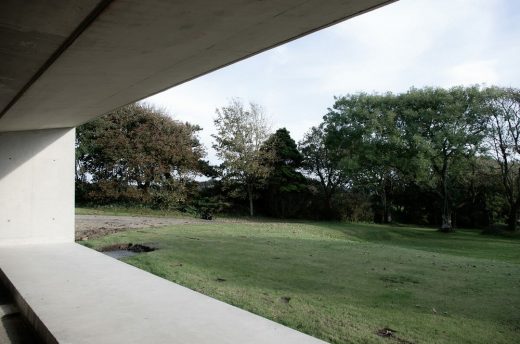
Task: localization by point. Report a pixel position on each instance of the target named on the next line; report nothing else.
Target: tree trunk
(512, 218)
(446, 225)
(250, 195)
(515, 204)
(387, 214)
(328, 201)
(383, 203)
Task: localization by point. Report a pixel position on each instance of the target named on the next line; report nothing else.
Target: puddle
(119, 251)
(118, 254)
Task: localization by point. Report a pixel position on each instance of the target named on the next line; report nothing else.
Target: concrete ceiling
(63, 63)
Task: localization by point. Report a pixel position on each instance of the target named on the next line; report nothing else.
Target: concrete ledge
(72, 294)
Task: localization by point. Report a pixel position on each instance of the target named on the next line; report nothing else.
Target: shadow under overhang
(120, 51)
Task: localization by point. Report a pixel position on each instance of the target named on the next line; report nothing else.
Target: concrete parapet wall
(37, 186)
(72, 294)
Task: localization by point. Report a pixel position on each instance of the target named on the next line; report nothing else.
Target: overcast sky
(407, 43)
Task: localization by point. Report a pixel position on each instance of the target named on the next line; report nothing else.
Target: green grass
(346, 281)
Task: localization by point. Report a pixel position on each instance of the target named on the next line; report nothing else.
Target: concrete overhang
(66, 62)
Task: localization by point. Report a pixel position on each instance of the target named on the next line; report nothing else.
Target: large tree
(503, 106)
(240, 135)
(285, 185)
(322, 162)
(136, 153)
(445, 127)
(363, 130)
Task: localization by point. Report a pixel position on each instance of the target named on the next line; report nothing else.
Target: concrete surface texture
(30, 32)
(37, 186)
(66, 63)
(73, 294)
(14, 329)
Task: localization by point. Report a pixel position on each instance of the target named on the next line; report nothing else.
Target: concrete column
(37, 186)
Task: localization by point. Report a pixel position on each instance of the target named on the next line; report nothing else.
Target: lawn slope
(345, 282)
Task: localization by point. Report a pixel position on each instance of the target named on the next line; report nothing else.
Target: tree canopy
(429, 156)
(285, 184)
(503, 106)
(241, 133)
(137, 154)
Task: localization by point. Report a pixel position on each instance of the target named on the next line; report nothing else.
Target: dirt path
(93, 226)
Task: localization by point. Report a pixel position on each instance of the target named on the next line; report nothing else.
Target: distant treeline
(431, 156)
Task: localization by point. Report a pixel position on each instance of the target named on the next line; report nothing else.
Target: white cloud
(408, 43)
(473, 72)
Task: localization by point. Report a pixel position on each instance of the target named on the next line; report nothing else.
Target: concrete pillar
(37, 186)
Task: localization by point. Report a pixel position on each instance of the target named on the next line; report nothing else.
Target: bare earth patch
(94, 226)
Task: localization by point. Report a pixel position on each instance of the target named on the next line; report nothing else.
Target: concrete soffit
(64, 63)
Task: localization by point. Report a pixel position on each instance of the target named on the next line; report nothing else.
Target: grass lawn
(347, 281)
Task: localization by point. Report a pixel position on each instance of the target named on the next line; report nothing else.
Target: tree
(363, 130)
(503, 138)
(412, 152)
(477, 189)
(323, 163)
(240, 135)
(445, 126)
(138, 153)
(285, 185)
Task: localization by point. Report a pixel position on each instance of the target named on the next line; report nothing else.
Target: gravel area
(93, 226)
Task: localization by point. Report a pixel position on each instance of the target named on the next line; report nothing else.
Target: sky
(408, 43)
